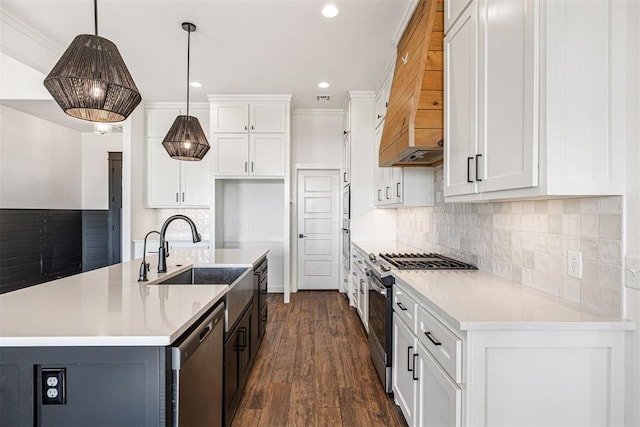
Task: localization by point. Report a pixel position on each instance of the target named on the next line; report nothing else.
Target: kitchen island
(111, 334)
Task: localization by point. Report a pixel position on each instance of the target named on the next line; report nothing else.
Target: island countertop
(109, 307)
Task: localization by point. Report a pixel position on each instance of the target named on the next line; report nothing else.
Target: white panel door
(163, 176)
(232, 154)
(507, 156)
(230, 117)
(267, 154)
(461, 100)
(318, 225)
(266, 117)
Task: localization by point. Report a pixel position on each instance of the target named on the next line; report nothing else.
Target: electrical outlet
(574, 265)
(632, 272)
(53, 386)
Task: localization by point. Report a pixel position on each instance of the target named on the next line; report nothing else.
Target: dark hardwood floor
(314, 369)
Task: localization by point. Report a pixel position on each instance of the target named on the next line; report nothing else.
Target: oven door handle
(374, 286)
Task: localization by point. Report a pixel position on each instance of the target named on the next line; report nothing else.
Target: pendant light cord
(188, 58)
(95, 15)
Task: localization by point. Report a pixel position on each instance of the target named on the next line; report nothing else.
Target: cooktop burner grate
(425, 261)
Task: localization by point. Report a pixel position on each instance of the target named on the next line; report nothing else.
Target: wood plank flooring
(314, 369)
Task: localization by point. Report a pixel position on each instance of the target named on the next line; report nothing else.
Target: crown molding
(248, 98)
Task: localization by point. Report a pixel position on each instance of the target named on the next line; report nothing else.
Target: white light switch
(632, 272)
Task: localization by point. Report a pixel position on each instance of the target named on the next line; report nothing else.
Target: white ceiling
(240, 46)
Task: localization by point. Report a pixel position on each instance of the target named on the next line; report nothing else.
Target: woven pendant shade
(92, 82)
(186, 140)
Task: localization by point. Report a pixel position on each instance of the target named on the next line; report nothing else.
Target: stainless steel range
(381, 282)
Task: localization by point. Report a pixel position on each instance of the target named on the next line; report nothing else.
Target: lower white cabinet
(537, 374)
(439, 399)
(405, 387)
(361, 287)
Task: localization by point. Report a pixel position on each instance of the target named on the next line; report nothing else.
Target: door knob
(302, 236)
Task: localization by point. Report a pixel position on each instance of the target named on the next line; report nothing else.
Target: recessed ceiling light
(323, 85)
(195, 84)
(330, 11)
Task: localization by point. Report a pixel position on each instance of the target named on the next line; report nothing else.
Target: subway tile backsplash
(527, 242)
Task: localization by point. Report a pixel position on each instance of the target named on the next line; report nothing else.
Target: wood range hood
(413, 129)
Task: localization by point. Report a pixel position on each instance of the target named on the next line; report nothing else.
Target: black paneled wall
(38, 245)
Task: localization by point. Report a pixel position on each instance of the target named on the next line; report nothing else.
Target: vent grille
(323, 98)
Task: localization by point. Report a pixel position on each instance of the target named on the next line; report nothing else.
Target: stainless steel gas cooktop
(424, 261)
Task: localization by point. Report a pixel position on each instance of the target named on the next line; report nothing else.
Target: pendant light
(185, 139)
(91, 81)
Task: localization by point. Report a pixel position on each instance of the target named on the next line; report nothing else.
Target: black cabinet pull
(379, 195)
(469, 169)
(433, 340)
(386, 192)
(344, 177)
(477, 157)
(177, 200)
(398, 190)
(252, 163)
(409, 368)
(245, 166)
(415, 371)
(379, 116)
(402, 307)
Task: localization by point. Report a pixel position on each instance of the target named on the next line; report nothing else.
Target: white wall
(632, 208)
(40, 163)
(95, 168)
(316, 137)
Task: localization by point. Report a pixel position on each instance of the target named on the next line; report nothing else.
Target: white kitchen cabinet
(250, 155)
(445, 376)
(251, 135)
(346, 158)
(361, 287)
(452, 11)
(405, 388)
(267, 154)
(382, 98)
(395, 186)
(242, 117)
(543, 122)
(439, 400)
(172, 183)
(169, 182)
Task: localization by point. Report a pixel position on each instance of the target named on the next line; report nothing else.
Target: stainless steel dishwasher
(197, 363)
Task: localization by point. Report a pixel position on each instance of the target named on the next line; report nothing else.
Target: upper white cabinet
(382, 98)
(452, 11)
(238, 117)
(250, 134)
(169, 182)
(530, 89)
(396, 186)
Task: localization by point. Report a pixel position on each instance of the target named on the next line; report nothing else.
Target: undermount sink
(205, 276)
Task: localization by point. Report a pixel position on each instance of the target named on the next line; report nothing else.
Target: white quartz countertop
(109, 307)
(476, 300)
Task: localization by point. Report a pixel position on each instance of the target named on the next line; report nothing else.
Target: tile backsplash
(180, 230)
(527, 242)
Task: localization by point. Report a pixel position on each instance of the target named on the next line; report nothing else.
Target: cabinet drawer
(358, 259)
(445, 347)
(405, 305)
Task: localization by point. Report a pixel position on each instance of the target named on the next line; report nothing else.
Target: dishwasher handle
(182, 351)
